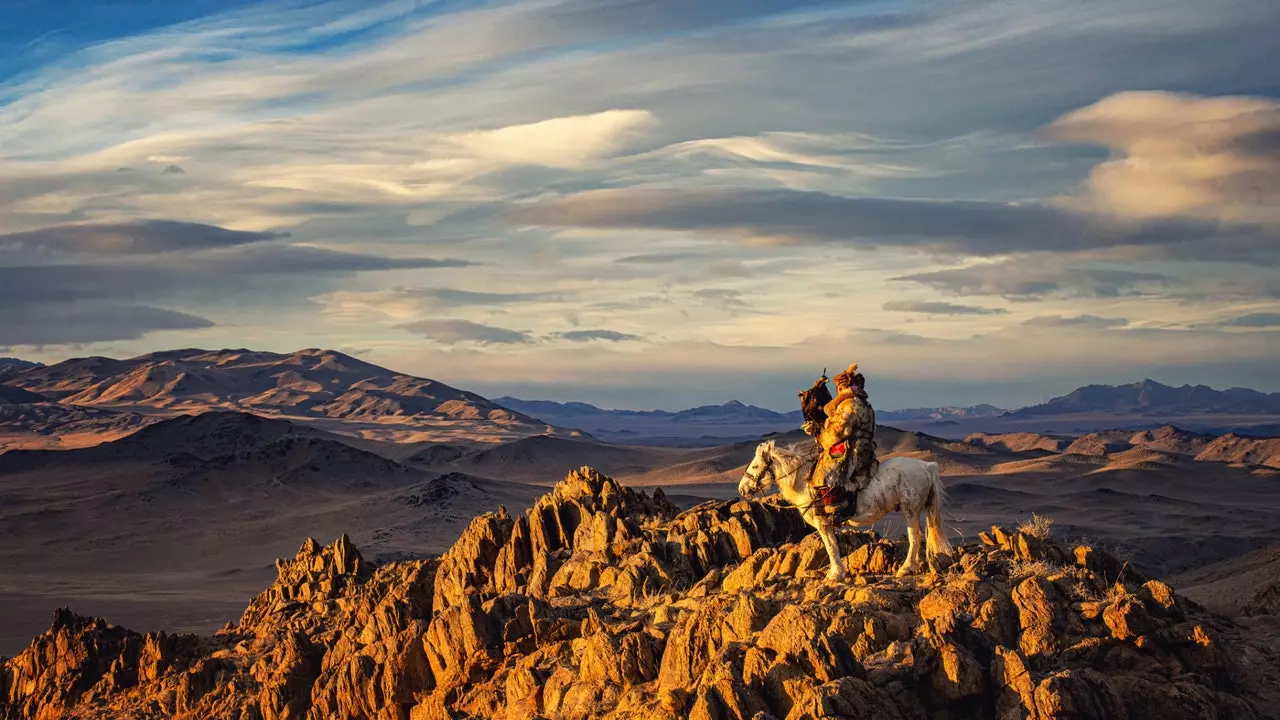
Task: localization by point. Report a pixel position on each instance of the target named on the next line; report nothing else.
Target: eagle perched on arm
(814, 400)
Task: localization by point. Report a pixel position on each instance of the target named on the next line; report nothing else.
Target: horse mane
(796, 451)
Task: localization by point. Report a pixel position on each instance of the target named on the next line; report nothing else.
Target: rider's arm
(840, 420)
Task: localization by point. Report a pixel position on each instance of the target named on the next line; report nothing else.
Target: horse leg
(826, 530)
(913, 544)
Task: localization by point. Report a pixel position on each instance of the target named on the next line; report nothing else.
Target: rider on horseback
(846, 436)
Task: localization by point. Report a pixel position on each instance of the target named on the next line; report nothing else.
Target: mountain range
(324, 388)
(12, 364)
(84, 401)
(703, 425)
(1149, 397)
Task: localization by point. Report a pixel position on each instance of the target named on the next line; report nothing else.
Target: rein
(769, 471)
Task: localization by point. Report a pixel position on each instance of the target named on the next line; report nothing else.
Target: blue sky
(36, 32)
(652, 203)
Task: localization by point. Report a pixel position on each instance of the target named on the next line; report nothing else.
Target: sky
(653, 203)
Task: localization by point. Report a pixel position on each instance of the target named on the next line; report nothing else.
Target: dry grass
(1040, 526)
(1019, 569)
(1026, 568)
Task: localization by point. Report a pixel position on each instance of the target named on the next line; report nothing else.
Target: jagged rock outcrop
(601, 601)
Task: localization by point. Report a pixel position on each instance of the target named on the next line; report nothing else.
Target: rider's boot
(831, 500)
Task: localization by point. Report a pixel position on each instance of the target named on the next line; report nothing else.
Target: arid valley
(159, 492)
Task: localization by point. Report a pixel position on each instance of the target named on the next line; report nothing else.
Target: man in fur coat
(847, 440)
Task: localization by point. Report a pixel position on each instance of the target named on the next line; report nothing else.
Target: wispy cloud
(940, 308)
(589, 335)
(113, 240)
(453, 331)
(1254, 320)
(968, 227)
(1031, 279)
(1079, 321)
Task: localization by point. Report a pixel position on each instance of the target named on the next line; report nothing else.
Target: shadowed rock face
(601, 601)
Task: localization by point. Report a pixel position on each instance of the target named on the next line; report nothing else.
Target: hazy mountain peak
(19, 363)
(1148, 397)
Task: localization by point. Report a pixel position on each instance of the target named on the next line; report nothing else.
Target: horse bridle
(769, 472)
(766, 472)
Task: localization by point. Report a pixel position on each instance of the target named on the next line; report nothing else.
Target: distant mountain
(941, 413)
(11, 365)
(703, 425)
(732, 411)
(319, 385)
(1149, 397)
(707, 424)
(736, 412)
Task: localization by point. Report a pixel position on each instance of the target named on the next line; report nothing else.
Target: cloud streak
(114, 240)
(940, 308)
(1032, 280)
(1254, 320)
(968, 227)
(452, 331)
(38, 325)
(590, 335)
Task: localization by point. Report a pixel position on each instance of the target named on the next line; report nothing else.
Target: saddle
(837, 502)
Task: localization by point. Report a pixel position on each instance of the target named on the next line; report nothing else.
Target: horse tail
(936, 536)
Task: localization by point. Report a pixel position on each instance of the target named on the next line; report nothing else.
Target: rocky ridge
(603, 601)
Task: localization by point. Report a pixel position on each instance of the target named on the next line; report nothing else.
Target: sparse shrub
(1020, 569)
(1040, 526)
(1116, 592)
(1026, 568)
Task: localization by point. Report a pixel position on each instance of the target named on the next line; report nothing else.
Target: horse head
(760, 473)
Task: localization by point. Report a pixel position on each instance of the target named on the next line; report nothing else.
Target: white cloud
(1181, 154)
(568, 142)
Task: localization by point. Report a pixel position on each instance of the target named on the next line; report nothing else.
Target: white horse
(906, 484)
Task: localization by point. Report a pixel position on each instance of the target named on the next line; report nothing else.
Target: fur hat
(845, 379)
